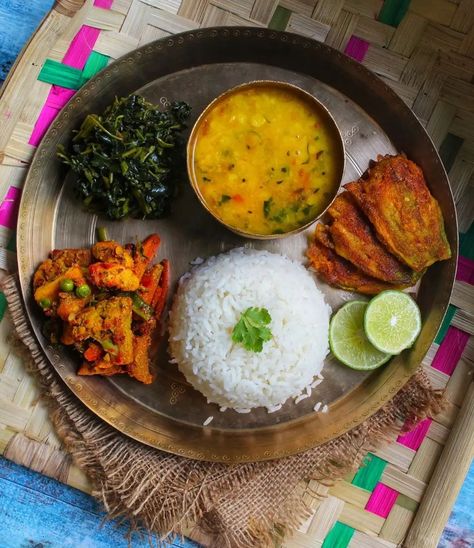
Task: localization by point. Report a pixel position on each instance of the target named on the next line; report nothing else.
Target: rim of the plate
(243, 445)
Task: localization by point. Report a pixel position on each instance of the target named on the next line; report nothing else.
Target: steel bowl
(317, 107)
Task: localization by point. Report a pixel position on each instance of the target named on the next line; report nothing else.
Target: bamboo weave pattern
(424, 50)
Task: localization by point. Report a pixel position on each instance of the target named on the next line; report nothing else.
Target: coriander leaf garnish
(250, 330)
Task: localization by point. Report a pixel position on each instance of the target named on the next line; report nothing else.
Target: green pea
(83, 290)
(45, 303)
(67, 285)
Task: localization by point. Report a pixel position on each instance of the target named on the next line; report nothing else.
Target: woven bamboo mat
(423, 49)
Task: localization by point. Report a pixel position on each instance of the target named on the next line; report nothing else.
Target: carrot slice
(93, 352)
(159, 299)
(145, 254)
(149, 282)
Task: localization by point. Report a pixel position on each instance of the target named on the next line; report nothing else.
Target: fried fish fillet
(337, 271)
(406, 217)
(354, 239)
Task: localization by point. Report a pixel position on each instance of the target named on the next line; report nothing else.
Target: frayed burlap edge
(246, 505)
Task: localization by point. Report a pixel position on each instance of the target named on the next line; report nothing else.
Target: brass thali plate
(196, 67)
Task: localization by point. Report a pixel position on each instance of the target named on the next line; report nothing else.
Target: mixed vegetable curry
(105, 302)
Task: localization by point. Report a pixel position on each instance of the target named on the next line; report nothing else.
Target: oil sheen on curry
(265, 161)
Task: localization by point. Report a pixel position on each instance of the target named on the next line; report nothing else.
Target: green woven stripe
(407, 503)
(466, 243)
(95, 63)
(279, 19)
(3, 305)
(393, 11)
(11, 246)
(449, 149)
(339, 536)
(445, 325)
(370, 472)
(60, 75)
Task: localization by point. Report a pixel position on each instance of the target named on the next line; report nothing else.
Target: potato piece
(50, 290)
(69, 304)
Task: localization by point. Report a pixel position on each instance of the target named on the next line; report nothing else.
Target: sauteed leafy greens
(125, 159)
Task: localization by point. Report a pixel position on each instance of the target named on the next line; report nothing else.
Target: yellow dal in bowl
(265, 161)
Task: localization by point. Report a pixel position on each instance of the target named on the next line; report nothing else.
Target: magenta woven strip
(381, 500)
(9, 207)
(106, 4)
(81, 46)
(414, 438)
(57, 98)
(357, 48)
(450, 350)
(76, 56)
(465, 272)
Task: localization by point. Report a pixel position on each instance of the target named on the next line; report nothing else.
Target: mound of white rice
(210, 302)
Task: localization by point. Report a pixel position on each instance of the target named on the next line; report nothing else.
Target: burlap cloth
(244, 505)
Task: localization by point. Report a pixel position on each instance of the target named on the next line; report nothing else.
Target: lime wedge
(392, 321)
(348, 341)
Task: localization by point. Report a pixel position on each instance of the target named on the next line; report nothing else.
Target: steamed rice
(209, 303)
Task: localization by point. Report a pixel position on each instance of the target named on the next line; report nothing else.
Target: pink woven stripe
(356, 48)
(465, 271)
(76, 56)
(83, 43)
(9, 208)
(450, 350)
(381, 500)
(106, 4)
(414, 438)
(57, 98)
(81, 46)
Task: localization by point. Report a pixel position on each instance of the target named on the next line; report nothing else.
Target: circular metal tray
(196, 67)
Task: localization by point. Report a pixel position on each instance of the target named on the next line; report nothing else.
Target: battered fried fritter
(338, 272)
(353, 238)
(406, 217)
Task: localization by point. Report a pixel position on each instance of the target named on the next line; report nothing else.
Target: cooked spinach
(126, 158)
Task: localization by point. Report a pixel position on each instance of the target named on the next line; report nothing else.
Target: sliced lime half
(392, 321)
(348, 341)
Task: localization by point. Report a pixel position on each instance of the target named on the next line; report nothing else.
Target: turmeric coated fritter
(335, 270)
(406, 217)
(382, 232)
(354, 239)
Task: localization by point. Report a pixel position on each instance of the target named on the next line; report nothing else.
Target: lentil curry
(265, 161)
